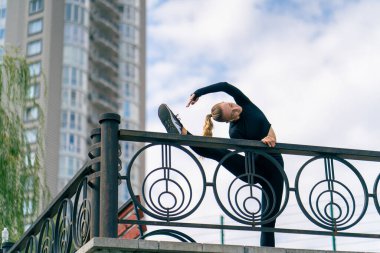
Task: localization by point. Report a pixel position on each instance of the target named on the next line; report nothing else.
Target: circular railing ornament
(167, 192)
(248, 191)
(31, 245)
(46, 240)
(331, 203)
(81, 216)
(63, 232)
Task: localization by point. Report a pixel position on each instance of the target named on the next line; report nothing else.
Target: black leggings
(263, 168)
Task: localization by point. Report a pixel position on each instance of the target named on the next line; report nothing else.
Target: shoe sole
(164, 114)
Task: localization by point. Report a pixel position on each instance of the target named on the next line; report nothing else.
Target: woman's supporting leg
(270, 172)
(263, 168)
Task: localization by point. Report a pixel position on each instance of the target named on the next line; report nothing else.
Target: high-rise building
(88, 57)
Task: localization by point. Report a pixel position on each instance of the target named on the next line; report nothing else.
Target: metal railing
(88, 205)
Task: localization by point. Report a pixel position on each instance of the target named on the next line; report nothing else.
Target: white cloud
(311, 66)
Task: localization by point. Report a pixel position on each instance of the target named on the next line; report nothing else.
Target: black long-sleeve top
(252, 124)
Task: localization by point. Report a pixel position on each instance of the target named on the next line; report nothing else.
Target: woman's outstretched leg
(235, 163)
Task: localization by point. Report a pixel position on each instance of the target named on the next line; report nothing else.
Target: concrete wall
(107, 245)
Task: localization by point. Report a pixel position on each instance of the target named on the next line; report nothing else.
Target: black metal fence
(87, 207)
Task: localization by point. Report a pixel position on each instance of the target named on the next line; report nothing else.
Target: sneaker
(169, 120)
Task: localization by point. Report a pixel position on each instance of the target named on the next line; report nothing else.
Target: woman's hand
(269, 140)
(193, 99)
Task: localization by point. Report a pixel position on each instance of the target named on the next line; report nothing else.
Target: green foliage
(20, 184)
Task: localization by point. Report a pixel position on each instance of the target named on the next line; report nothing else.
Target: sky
(311, 66)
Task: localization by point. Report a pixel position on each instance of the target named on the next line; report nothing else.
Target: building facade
(88, 58)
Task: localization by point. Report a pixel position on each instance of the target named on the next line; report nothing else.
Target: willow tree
(20, 184)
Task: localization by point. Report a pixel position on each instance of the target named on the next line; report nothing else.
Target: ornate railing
(329, 189)
(72, 218)
(335, 199)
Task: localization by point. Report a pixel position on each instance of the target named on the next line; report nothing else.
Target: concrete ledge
(108, 245)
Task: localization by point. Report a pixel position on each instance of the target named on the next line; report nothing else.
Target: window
(74, 76)
(72, 120)
(130, 13)
(75, 56)
(68, 12)
(75, 34)
(129, 31)
(65, 75)
(79, 122)
(30, 159)
(70, 167)
(33, 91)
(63, 141)
(71, 142)
(35, 6)
(73, 98)
(130, 90)
(34, 47)
(35, 69)
(78, 144)
(28, 207)
(31, 113)
(31, 135)
(64, 119)
(65, 97)
(2, 32)
(76, 13)
(29, 183)
(35, 26)
(82, 13)
(127, 110)
(3, 12)
(130, 71)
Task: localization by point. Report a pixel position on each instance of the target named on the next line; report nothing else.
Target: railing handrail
(283, 148)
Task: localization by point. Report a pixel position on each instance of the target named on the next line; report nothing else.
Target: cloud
(311, 66)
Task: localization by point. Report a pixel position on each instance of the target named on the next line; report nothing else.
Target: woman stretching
(248, 122)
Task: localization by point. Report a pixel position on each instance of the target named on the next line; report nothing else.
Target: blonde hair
(217, 115)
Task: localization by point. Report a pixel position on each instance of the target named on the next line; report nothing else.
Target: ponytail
(208, 126)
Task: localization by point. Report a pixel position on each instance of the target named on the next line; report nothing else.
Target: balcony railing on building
(88, 205)
(103, 101)
(111, 5)
(105, 41)
(104, 82)
(105, 21)
(105, 61)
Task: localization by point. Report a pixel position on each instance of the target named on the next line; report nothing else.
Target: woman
(247, 121)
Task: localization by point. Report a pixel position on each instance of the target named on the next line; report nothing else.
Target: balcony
(110, 5)
(87, 207)
(106, 42)
(104, 103)
(105, 61)
(106, 22)
(104, 82)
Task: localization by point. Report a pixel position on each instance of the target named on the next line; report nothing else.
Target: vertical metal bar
(222, 230)
(94, 189)
(330, 176)
(109, 125)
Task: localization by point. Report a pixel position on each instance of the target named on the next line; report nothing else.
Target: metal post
(222, 230)
(109, 125)
(94, 188)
